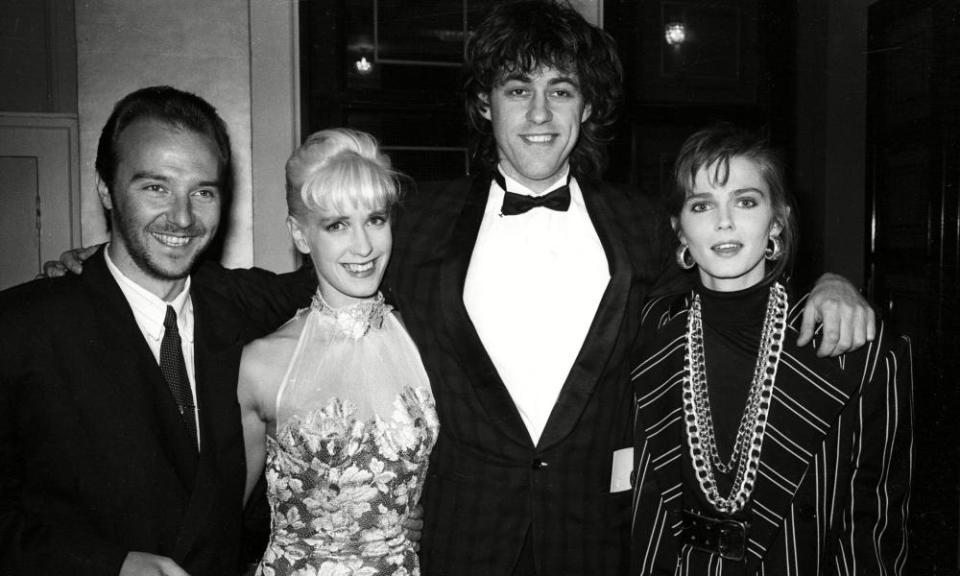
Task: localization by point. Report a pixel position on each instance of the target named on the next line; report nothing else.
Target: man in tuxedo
(523, 288)
(120, 443)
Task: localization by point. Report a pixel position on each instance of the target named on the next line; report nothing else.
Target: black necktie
(514, 203)
(175, 373)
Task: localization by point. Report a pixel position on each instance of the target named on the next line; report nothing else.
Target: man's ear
(585, 115)
(103, 192)
(485, 105)
(296, 232)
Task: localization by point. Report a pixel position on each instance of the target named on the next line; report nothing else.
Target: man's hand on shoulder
(70, 261)
(145, 564)
(848, 320)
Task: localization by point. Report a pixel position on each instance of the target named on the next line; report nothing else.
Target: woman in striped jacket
(755, 456)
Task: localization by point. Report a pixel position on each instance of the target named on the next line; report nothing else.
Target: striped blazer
(833, 487)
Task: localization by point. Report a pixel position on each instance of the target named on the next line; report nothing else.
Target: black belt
(723, 536)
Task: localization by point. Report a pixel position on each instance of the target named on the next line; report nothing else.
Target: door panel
(19, 226)
(39, 192)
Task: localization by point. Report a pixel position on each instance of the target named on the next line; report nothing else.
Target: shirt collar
(149, 309)
(518, 188)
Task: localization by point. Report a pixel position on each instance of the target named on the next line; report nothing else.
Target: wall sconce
(675, 33)
(363, 66)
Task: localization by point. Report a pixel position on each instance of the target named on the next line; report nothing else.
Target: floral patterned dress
(355, 426)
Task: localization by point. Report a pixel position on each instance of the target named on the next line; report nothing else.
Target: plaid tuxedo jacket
(832, 494)
(488, 484)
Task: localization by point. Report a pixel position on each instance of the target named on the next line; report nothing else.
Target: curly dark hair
(522, 36)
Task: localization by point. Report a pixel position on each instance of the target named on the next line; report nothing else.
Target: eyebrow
(737, 192)
(145, 175)
(563, 80)
(520, 77)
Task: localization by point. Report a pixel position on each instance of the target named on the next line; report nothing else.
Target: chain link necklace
(753, 423)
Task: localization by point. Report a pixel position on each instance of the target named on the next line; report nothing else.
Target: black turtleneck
(732, 326)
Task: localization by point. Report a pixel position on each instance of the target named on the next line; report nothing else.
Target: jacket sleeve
(875, 539)
(28, 544)
(265, 299)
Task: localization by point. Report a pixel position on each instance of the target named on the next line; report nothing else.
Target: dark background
(884, 213)
(862, 95)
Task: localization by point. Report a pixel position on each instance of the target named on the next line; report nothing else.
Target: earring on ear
(682, 254)
(773, 252)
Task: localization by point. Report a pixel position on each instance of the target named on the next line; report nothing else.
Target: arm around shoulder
(846, 318)
(265, 299)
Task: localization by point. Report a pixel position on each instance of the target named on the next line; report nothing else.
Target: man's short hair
(168, 105)
(522, 36)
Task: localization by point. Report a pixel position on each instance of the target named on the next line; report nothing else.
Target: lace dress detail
(355, 426)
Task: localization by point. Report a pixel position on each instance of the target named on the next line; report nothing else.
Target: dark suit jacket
(488, 485)
(93, 459)
(832, 493)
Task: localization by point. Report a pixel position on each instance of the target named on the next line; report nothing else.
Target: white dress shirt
(533, 286)
(149, 311)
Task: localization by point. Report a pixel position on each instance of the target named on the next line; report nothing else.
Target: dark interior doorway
(914, 259)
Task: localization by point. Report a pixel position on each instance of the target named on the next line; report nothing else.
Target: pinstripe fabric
(832, 495)
(488, 483)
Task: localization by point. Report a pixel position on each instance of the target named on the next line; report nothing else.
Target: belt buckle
(726, 537)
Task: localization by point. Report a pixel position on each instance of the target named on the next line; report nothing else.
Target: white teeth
(359, 267)
(539, 139)
(172, 240)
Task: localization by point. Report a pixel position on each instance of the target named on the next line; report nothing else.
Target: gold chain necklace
(699, 420)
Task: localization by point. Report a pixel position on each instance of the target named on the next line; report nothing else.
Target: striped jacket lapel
(661, 412)
(808, 395)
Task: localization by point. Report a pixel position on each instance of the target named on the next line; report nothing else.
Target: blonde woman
(336, 402)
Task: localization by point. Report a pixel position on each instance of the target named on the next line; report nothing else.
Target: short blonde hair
(337, 167)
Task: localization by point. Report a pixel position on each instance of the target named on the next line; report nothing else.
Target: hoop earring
(774, 252)
(682, 254)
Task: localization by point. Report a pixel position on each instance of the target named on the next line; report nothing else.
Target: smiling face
(350, 248)
(164, 204)
(726, 226)
(536, 122)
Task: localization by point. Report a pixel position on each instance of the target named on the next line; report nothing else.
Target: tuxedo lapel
(808, 395)
(135, 397)
(463, 338)
(599, 344)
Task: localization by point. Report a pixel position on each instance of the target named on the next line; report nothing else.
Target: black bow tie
(513, 203)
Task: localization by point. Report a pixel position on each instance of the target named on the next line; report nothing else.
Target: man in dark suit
(522, 287)
(120, 443)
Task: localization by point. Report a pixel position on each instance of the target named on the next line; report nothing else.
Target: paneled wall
(202, 47)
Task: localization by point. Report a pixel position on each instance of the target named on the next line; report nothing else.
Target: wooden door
(914, 259)
(39, 193)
